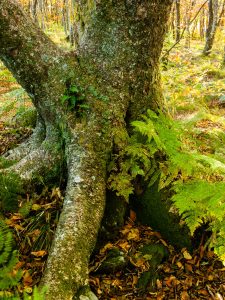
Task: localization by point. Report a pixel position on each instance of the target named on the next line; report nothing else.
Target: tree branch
(36, 62)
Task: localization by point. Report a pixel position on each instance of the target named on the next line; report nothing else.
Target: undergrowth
(10, 187)
(163, 150)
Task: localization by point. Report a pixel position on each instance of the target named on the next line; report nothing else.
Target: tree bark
(116, 65)
(212, 26)
(177, 2)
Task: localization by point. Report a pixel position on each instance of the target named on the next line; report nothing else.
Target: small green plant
(98, 95)
(75, 99)
(5, 163)
(36, 295)
(160, 149)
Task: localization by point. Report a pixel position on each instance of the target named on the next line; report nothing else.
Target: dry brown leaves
(197, 275)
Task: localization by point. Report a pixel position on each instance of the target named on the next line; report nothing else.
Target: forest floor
(194, 88)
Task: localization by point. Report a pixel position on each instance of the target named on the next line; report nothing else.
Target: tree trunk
(177, 2)
(202, 24)
(116, 68)
(212, 26)
(223, 60)
(188, 22)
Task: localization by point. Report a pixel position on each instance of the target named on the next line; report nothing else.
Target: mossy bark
(116, 65)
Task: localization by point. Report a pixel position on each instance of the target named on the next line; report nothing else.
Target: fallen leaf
(218, 297)
(203, 292)
(179, 264)
(36, 207)
(210, 277)
(159, 284)
(133, 234)
(188, 268)
(124, 245)
(18, 227)
(40, 253)
(27, 279)
(133, 215)
(184, 295)
(106, 247)
(187, 255)
(135, 280)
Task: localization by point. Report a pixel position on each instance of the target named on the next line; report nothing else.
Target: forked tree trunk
(116, 66)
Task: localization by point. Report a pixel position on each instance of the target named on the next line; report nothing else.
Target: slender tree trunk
(177, 3)
(34, 10)
(221, 14)
(172, 22)
(212, 26)
(194, 26)
(223, 60)
(202, 24)
(116, 68)
(188, 22)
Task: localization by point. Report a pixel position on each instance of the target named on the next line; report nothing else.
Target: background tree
(177, 2)
(110, 81)
(213, 7)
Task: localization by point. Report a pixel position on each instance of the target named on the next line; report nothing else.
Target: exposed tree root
(66, 274)
(32, 143)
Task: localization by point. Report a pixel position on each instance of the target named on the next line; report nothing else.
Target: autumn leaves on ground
(194, 88)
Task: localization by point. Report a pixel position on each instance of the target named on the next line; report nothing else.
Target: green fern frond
(36, 295)
(196, 200)
(9, 276)
(163, 149)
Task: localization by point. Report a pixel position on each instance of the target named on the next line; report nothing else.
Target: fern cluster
(9, 276)
(160, 149)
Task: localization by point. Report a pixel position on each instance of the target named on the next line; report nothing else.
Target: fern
(37, 294)
(9, 276)
(162, 149)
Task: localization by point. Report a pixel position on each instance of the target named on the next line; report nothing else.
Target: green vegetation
(10, 187)
(162, 150)
(9, 276)
(74, 98)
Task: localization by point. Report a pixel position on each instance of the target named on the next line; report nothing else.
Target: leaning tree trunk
(116, 68)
